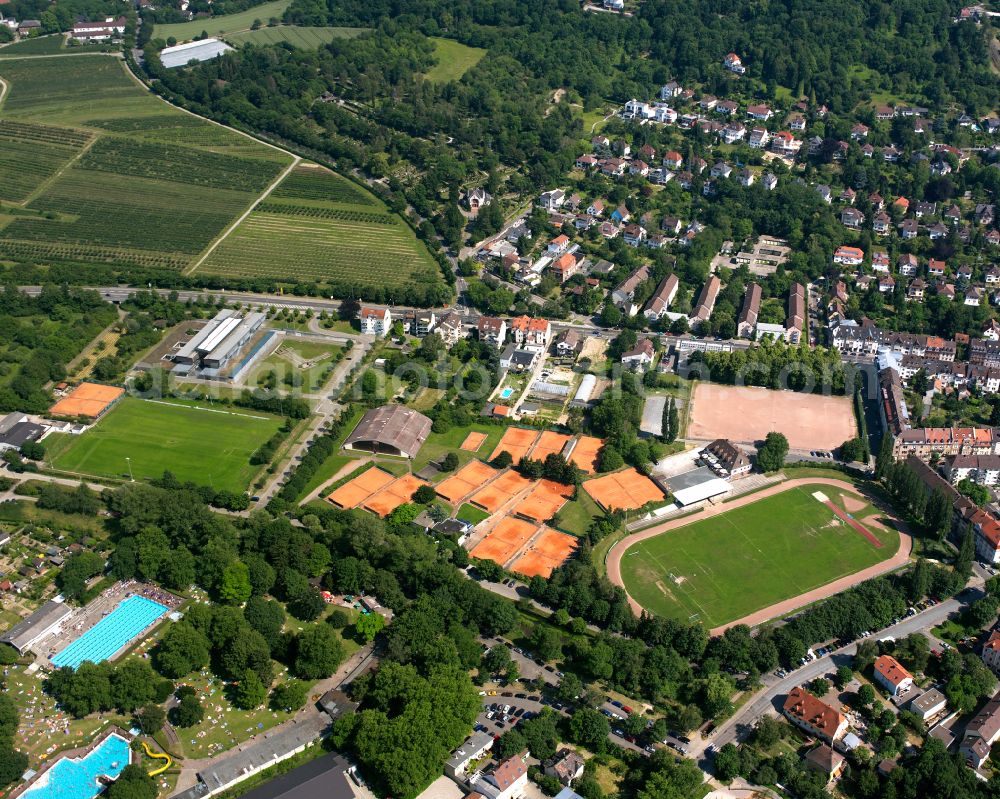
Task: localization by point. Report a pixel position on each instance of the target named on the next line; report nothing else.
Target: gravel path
(614, 558)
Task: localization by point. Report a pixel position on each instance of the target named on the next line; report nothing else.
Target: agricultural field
(774, 549)
(307, 38)
(32, 154)
(453, 60)
(39, 45)
(208, 446)
(318, 226)
(113, 173)
(221, 25)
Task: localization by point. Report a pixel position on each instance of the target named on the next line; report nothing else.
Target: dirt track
(614, 558)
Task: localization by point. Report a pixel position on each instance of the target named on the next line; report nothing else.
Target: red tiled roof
(892, 670)
(817, 714)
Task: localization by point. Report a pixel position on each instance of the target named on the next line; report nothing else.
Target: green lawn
(576, 516)
(440, 444)
(220, 26)
(307, 38)
(453, 60)
(471, 514)
(205, 445)
(725, 567)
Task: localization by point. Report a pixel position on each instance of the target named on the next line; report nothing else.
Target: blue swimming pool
(72, 778)
(133, 615)
(507, 393)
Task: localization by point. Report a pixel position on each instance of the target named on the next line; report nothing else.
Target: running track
(614, 558)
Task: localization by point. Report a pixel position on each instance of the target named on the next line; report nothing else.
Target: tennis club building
(390, 430)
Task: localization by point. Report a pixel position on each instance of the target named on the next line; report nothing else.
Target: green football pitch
(208, 446)
(727, 566)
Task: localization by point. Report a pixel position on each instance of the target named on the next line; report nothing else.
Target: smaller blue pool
(133, 615)
(73, 778)
(507, 393)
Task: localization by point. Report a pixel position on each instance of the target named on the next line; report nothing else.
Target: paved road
(354, 665)
(768, 699)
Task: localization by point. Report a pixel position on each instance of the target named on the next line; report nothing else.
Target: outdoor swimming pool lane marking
(115, 631)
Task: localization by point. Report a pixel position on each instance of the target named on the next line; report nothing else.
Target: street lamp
(128, 460)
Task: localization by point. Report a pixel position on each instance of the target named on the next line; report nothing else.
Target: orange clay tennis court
(494, 496)
(625, 490)
(549, 443)
(584, 454)
(358, 489)
(466, 480)
(544, 500)
(473, 441)
(517, 441)
(87, 399)
(549, 550)
(504, 540)
(393, 495)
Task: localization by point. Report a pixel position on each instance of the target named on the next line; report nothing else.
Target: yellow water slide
(158, 756)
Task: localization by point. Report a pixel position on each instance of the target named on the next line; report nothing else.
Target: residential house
(761, 113)
(507, 781)
(908, 229)
(707, 102)
(991, 652)
(733, 63)
(824, 192)
(797, 122)
(552, 200)
(936, 268)
(568, 343)
(887, 284)
(566, 766)
(517, 360)
(973, 296)
(859, 131)
(565, 266)
(451, 329)
(880, 261)
(746, 177)
(916, 290)
(890, 674)
(727, 107)
(557, 246)
(953, 214)
(769, 181)
(531, 334)
(662, 297)
(824, 760)
(937, 231)
(881, 224)
(375, 321)
(981, 733)
(638, 167)
(907, 264)
(928, 704)
(706, 300)
(673, 160)
(814, 716)
(474, 748)
(759, 137)
(784, 143)
(979, 469)
(849, 256)
(733, 133)
(670, 90)
(721, 170)
(492, 330)
(634, 235)
(624, 295)
(640, 357)
(586, 162)
(621, 215)
(852, 218)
